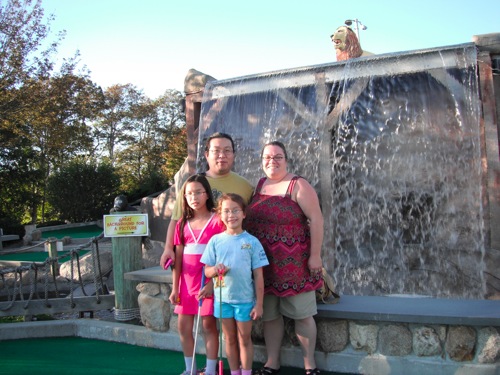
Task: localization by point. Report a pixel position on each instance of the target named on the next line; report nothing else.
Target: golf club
(221, 364)
(198, 321)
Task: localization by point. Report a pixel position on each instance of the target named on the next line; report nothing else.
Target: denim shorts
(239, 311)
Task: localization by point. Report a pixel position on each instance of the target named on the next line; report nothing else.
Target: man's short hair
(218, 135)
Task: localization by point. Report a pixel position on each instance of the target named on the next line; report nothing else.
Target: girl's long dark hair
(188, 212)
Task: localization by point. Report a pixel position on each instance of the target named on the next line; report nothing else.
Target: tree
(151, 126)
(173, 133)
(22, 30)
(115, 127)
(83, 190)
(43, 115)
(48, 118)
(175, 153)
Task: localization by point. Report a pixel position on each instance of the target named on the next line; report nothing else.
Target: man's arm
(168, 250)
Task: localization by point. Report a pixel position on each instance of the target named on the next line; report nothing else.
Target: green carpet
(79, 356)
(86, 231)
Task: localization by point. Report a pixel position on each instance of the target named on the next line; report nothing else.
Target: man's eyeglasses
(275, 158)
(226, 151)
(194, 194)
(234, 212)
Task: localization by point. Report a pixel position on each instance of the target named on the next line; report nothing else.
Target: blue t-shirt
(242, 253)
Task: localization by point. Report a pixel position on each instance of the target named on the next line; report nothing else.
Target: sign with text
(125, 225)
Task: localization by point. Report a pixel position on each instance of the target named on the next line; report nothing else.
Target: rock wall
(435, 345)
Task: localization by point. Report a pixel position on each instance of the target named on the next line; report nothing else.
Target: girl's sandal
(266, 371)
(313, 371)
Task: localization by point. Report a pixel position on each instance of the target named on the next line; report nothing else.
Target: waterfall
(391, 144)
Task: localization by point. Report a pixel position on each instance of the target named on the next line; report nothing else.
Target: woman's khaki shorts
(300, 306)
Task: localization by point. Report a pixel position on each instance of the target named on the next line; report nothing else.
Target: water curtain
(391, 144)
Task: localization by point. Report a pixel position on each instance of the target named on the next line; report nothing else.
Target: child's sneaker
(203, 372)
(198, 372)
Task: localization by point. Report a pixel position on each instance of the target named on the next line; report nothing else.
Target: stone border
(369, 334)
(349, 361)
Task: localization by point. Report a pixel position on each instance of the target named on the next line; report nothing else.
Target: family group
(242, 254)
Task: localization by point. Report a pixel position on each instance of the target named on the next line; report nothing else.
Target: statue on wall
(346, 44)
(121, 204)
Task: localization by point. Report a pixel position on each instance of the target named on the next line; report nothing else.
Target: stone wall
(368, 347)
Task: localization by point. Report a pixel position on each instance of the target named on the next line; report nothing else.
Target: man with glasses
(219, 153)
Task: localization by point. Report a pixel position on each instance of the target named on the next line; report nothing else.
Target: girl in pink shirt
(197, 225)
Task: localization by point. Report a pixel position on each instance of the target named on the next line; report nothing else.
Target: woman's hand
(315, 264)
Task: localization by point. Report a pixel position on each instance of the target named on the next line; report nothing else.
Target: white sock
(189, 363)
(211, 367)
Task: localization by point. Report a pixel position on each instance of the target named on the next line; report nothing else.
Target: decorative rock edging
(427, 347)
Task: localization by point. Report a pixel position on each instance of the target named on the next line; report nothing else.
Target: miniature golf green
(84, 231)
(79, 356)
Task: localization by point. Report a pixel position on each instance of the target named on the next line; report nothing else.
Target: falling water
(391, 144)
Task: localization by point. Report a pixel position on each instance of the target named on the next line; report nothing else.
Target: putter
(221, 364)
(198, 321)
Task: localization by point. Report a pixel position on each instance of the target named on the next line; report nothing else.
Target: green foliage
(83, 190)
(11, 319)
(48, 118)
(50, 223)
(140, 135)
(19, 319)
(152, 183)
(175, 152)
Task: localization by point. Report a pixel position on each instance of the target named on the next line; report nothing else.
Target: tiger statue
(346, 44)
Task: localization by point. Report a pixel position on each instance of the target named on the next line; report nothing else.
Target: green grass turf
(79, 356)
(38, 256)
(86, 231)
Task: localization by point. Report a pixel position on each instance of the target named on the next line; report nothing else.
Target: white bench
(7, 237)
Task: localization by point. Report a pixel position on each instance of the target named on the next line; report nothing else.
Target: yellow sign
(125, 225)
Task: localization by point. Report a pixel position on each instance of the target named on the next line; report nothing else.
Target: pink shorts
(189, 286)
(189, 306)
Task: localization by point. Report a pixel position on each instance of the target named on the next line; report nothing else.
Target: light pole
(358, 24)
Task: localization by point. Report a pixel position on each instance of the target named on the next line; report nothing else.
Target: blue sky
(153, 43)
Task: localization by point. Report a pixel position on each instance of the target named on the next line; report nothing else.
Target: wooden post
(127, 257)
(52, 250)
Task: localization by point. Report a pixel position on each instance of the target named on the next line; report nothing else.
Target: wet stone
(488, 345)
(395, 340)
(426, 342)
(363, 336)
(332, 335)
(460, 343)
